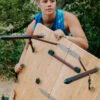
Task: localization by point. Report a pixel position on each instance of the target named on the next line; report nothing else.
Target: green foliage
(62, 3)
(88, 12)
(10, 52)
(16, 13)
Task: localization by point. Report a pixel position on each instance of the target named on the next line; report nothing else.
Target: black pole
(76, 69)
(21, 37)
(77, 77)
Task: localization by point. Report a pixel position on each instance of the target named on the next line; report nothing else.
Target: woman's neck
(48, 20)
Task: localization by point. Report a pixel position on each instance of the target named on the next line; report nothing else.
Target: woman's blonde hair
(38, 0)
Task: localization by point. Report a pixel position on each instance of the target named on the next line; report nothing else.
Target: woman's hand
(59, 34)
(18, 67)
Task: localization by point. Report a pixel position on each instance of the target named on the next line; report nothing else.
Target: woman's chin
(50, 13)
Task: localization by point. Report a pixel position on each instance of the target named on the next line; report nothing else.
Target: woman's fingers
(59, 34)
(18, 68)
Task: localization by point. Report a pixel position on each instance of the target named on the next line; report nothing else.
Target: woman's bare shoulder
(30, 28)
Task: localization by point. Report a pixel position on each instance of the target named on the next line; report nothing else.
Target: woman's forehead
(42, 0)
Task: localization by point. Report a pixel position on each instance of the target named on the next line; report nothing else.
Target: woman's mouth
(49, 9)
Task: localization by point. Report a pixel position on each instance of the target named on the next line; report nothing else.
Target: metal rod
(31, 44)
(76, 69)
(21, 37)
(77, 77)
(46, 41)
(82, 64)
(36, 37)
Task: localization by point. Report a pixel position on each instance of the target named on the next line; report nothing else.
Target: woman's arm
(29, 31)
(78, 37)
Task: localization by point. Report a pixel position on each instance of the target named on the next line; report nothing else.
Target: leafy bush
(16, 13)
(88, 12)
(10, 52)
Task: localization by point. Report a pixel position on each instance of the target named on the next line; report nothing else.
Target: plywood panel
(52, 72)
(40, 65)
(77, 90)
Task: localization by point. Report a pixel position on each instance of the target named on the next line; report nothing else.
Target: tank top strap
(60, 21)
(38, 19)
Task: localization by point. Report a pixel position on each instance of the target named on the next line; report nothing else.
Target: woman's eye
(45, 1)
(52, 0)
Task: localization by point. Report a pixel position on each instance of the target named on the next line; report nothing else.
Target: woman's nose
(49, 3)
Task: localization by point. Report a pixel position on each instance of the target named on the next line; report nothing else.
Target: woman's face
(47, 6)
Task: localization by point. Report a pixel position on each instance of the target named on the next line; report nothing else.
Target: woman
(61, 22)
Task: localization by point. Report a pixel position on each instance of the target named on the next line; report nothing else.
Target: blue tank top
(57, 24)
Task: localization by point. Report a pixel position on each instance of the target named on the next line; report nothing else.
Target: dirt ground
(6, 88)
